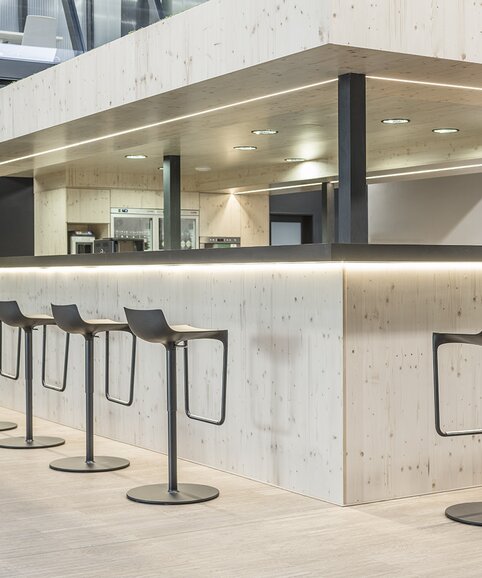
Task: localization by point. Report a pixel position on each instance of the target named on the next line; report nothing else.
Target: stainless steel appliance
(118, 245)
(148, 224)
(219, 242)
(81, 242)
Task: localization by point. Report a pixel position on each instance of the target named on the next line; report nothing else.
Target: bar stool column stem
(89, 398)
(172, 416)
(28, 386)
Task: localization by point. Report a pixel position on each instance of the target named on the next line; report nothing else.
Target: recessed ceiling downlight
(445, 130)
(202, 169)
(395, 120)
(265, 131)
(294, 160)
(136, 157)
(245, 148)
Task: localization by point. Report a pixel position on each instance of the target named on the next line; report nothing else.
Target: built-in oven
(81, 242)
(118, 245)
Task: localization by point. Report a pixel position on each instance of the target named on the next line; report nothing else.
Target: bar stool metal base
(159, 494)
(20, 443)
(468, 513)
(79, 465)
(7, 425)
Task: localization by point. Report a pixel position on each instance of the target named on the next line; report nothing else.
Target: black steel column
(171, 416)
(28, 387)
(352, 194)
(172, 202)
(89, 399)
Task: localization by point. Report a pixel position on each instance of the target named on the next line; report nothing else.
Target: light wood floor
(54, 524)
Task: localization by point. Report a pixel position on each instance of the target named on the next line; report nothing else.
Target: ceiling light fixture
(136, 157)
(294, 160)
(160, 168)
(445, 130)
(245, 148)
(264, 131)
(202, 169)
(172, 120)
(395, 120)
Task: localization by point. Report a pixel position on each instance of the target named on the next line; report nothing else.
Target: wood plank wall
(285, 403)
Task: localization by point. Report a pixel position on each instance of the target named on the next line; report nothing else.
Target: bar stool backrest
(11, 315)
(68, 319)
(149, 325)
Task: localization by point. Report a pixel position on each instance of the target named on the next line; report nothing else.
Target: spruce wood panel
(392, 448)
(50, 216)
(88, 206)
(284, 417)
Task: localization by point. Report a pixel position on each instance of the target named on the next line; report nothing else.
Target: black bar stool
(10, 314)
(69, 320)
(151, 325)
(469, 512)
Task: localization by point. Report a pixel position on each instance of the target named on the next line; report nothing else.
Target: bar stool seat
(151, 326)
(10, 314)
(69, 320)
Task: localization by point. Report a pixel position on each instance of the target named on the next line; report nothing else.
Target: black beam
(73, 24)
(172, 202)
(352, 193)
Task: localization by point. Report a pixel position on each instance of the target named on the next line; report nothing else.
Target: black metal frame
(190, 415)
(466, 513)
(73, 24)
(15, 375)
(28, 442)
(109, 397)
(44, 362)
(439, 339)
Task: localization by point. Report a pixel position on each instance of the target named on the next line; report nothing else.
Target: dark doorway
(290, 229)
(16, 217)
(297, 216)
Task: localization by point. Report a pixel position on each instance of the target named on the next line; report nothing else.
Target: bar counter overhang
(330, 389)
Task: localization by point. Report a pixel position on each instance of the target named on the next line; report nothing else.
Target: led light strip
(172, 120)
(421, 172)
(426, 83)
(282, 188)
(177, 268)
(225, 107)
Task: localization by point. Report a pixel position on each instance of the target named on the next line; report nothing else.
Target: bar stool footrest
(39, 442)
(7, 425)
(467, 513)
(159, 494)
(79, 465)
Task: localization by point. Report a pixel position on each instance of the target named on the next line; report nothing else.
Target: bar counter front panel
(330, 366)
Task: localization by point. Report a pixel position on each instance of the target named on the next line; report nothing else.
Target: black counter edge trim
(285, 254)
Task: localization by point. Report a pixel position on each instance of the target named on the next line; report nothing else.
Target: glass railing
(37, 34)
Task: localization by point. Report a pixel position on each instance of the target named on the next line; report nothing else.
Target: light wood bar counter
(330, 366)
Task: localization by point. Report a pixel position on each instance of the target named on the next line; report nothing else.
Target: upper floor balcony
(37, 34)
